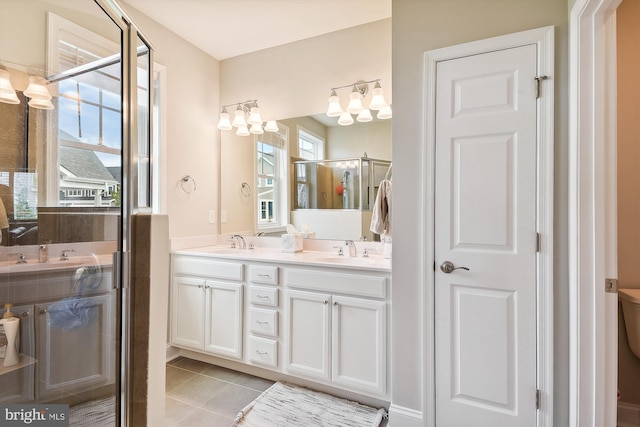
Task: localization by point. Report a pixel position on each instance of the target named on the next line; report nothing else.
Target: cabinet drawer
(263, 321)
(333, 281)
(263, 351)
(263, 274)
(263, 296)
(202, 266)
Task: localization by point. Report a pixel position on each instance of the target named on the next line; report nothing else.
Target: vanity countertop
(374, 262)
(32, 266)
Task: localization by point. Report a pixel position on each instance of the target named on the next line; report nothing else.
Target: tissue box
(291, 243)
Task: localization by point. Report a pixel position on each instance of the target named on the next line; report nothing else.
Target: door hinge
(611, 285)
(537, 399)
(538, 242)
(539, 80)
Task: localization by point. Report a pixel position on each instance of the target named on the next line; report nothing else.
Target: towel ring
(245, 189)
(186, 186)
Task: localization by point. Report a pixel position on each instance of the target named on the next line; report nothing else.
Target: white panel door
(485, 221)
(187, 312)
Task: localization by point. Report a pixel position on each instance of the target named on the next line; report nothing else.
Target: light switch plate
(212, 217)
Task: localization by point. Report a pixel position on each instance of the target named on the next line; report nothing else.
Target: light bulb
(41, 104)
(256, 129)
(334, 109)
(242, 131)
(377, 100)
(254, 117)
(271, 126)
(345, 119)
(37, 88)
(384, 113)
(224, 123)
(364, 116)
(355, 102)
(238, 118)
(7, 92)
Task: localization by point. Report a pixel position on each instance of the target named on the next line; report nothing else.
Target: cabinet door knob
(25, 314)
(43, 311)
(325, 302)
(335, 303)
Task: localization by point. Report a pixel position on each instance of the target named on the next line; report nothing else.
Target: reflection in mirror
(60, 168)
(319, 155)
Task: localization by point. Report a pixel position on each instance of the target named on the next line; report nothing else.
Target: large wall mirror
(325, 181)
(61, 141)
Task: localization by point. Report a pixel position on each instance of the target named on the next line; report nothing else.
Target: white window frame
(317, 141)
(281, 188)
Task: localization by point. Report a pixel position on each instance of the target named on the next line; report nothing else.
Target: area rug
(288, 405)
(94, 413)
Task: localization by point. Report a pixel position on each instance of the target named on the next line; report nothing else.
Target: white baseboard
(628, 414)
(400, 416)
(172, 352)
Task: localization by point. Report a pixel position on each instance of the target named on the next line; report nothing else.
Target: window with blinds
(272, 201)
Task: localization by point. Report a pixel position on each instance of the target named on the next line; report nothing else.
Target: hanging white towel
(381, 214)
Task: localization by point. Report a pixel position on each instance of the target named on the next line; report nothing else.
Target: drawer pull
(262, 353)
(268, 276)
(262, 296)
(261, 322)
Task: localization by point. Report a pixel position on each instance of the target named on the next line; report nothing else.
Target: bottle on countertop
(10, 335)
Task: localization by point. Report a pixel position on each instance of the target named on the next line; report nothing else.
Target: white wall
(418, 26)
(192, 139)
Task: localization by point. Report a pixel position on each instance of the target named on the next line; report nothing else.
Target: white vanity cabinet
(336, 328)
(206, 305)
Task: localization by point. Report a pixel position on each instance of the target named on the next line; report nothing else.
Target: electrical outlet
(212, 217)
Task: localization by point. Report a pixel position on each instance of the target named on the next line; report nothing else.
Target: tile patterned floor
(200, 394)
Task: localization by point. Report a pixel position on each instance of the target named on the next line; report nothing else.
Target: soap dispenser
(10, 328)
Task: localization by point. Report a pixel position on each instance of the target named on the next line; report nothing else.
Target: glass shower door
(70, 176)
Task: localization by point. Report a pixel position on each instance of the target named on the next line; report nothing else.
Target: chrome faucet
(352, 248)
(64, 255)
(241, 243)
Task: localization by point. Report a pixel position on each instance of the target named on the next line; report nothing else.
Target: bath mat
(287, 405)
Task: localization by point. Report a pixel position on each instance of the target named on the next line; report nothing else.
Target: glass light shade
(254, 117)
(364, 116)
(37, 88)
(7, 92)
(355, 102)
(243, 131)
(345, 119)
(256, 129)
(377, 100)
(271, 126)
(239, 119)
(384, 113)
(224, 123)
(334, 109)
(41, 104)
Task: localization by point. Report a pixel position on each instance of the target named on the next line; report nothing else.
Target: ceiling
(228, 28)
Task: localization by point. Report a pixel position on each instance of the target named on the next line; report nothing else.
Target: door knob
(448, 267)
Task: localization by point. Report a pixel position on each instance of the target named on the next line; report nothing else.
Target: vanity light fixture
(37, 91)
(356, 107)
(246, 119)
